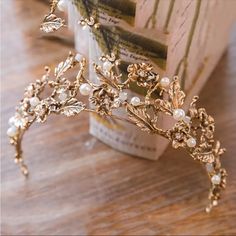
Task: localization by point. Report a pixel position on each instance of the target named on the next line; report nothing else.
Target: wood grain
(79, 186)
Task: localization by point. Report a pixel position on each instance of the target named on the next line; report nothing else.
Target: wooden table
(79, 186)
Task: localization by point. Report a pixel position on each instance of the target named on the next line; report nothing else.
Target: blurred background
(80, 186)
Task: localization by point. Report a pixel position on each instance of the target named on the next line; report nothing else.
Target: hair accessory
(193, 129)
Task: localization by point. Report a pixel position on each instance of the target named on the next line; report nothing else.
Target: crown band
(193, 132)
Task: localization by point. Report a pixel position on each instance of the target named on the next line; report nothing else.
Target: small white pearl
(165, 82)
(179, 114)
(11, 121)
(20, 122)
(215, 179)
(78, 57)
(34, 101)
(215, 203)
(62, 5)
(191, 142)
(187, 119)
(123, 96)
(107, 66)
(135, 101)
(62, 96)
(209, 167)
(12, 131)
(85, 89)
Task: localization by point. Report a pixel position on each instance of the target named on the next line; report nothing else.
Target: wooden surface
(79, 186)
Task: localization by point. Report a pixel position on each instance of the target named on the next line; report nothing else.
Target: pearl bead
(62, 5)
(107, 66)
(12, 131)
(187, 119)
(164, 82)
(191, 142)
(209, 167)
(62, 96)
(34, 101)
(123, 96)
(20, 122)
(78, 57)
(85, 89)
(179, 114)
(215, 179)
(11, 121)
(135, 101)
(215, 203)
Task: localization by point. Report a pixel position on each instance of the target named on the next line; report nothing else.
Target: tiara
(193, 129)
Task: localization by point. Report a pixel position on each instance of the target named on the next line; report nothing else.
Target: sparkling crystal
(34, 101)
(62, 96)
(209, 167)
(78, 57)
(107, 66)
(123, 96)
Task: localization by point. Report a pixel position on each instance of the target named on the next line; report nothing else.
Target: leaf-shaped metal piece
(52, 23)
(73, 109)
(163, 106)
(64, 66)
(140, 117)
(176, 94)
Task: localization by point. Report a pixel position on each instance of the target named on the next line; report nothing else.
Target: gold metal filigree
(51, 22)
(193, 130)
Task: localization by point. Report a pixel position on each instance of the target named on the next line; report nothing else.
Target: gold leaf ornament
(63, 66)
(176, 94)
(140, 117)
(52, 23)
(73, 108)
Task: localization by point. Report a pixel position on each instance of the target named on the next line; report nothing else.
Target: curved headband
(193, 129)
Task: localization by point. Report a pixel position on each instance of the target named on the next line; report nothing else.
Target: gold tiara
(193, 128)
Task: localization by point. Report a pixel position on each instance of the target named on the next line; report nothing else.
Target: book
(185, 38)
